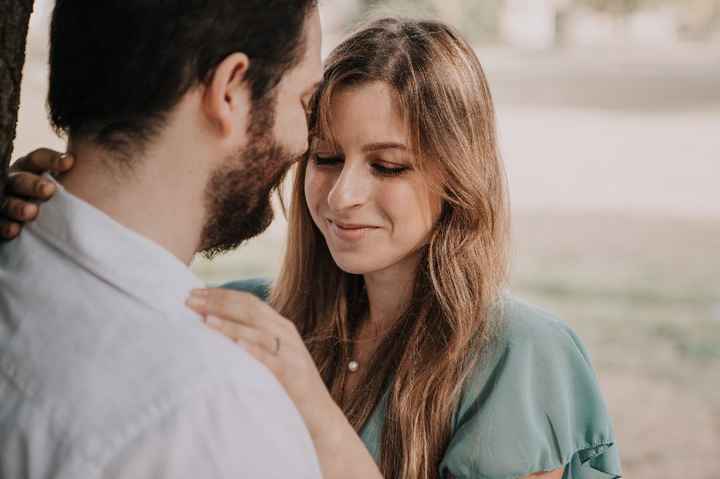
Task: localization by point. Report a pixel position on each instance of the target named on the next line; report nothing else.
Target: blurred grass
(640, 285)
(644, 296)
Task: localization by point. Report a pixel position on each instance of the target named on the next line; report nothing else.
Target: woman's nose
(351, 188)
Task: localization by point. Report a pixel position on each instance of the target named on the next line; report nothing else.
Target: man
(182, 117)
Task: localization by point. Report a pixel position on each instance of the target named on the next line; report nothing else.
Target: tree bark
(14, 20)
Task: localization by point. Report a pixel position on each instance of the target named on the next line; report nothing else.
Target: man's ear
(226, 101)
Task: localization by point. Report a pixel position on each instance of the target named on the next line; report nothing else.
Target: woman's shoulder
(532, 403)
(260, 287)
(526, 336)
(523, 327)
(523, 332)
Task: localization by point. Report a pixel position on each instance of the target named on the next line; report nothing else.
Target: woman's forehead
(362, 114)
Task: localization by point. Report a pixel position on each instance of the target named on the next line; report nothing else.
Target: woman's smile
(349, 232)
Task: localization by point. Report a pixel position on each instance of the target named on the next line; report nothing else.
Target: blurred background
(609, 120)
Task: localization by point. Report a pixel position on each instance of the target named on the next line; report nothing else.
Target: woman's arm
(556, 474)
(274, 341)
(341, 451)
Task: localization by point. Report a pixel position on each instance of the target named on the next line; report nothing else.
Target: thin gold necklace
(354, 365)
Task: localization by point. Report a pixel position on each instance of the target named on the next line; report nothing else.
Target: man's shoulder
(155, 356)
(107, 375)
(180, 380)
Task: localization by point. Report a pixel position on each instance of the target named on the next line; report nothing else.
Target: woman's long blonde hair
(423, 361)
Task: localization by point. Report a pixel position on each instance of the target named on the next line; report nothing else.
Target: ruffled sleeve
(532, 404)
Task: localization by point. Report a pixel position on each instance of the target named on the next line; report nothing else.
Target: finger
(269, 359)
(235, 331)
(235, 306)
(9, 230)
(44, 160)
(18, 210)
(30, 185)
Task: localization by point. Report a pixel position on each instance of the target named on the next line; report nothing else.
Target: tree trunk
(14, 20)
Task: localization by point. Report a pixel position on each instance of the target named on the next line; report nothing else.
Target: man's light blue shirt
(105, 373)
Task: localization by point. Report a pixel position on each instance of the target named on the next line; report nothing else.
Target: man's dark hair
(118, 66)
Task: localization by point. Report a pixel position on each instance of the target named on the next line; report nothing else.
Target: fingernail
(213, 321)
(196, 302)
(10, 231)
(64, 161)
(29, 211)
(200, 292)
(46, 189)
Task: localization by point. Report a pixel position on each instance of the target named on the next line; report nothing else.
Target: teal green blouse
(532, 404)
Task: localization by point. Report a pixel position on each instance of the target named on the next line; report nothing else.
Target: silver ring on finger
(276, 349)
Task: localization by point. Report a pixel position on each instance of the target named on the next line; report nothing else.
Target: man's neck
(156, 196)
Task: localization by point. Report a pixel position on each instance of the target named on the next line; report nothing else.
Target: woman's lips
(349, 232)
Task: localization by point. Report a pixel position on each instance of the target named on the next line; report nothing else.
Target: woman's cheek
(409, 208)
(399, 200)
(314, 186)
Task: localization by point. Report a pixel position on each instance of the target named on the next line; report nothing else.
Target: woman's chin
(354, 265)
(354, 268)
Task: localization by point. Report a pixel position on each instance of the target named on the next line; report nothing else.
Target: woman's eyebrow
(371, 147)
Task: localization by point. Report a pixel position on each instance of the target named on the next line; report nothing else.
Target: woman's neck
(389, 292)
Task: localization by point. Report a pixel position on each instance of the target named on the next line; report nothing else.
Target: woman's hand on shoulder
(274, 341)
(26, 189)
(556, 474)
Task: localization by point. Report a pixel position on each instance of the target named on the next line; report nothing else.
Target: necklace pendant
(353, 366)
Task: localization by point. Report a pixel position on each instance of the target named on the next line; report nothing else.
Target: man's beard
(238, 195)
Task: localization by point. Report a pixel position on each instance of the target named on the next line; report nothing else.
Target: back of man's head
(118, 67)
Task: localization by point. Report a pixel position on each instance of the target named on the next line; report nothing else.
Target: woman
(399, 340)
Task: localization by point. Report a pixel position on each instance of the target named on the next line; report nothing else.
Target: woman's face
(373, 208)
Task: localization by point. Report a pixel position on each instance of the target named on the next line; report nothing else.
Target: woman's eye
(390, 170)
(321, 160)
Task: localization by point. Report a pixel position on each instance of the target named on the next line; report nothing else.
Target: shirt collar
(117, 255)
